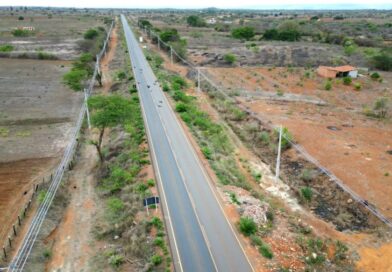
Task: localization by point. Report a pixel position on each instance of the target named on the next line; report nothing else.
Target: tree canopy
(169, 35)
(245, 33)
(195, 21)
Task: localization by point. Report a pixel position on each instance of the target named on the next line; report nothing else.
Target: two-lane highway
(201, 237)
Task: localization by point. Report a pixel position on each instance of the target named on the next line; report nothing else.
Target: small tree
(230, 58)
(90, 34)
(195, 21)
(245, 33)
(20, 18)
(106, 112)
(383, 61)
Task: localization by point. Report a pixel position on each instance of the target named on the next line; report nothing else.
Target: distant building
(340, 71)
(28, 28)
(211, 21)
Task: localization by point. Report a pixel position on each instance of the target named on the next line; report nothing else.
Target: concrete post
(198, 79)
(278, 158)
(171, 54)
(87, 111)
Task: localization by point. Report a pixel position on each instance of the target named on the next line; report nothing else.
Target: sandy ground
(37, 112)
(106, 76)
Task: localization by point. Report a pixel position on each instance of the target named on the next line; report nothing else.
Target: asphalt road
(201, 237)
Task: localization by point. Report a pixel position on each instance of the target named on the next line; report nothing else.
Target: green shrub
(234, 199)
(181, 107)
(46, 56)
(116, 260)
(41, 196)
(375, 76)
(47, 253)
(6, 48)
(256, 240)
(307, 175)
(121, 75)
(357, 86)
(179, 80)
(247, 226)
(230, 58)
(287, 137)
(156, 260)
(159, 242)
(347, 81)
(115, 205)
(117, 179)
(307, 193)
(265, 137)
(157, 222)
(74, 78)
(141, 188)
(20, 33)
(165, 87)
(266, 251)
(206, 152)
(90, 34)
(380, 107)
(328, 85)
(4, 132)
(150, 183)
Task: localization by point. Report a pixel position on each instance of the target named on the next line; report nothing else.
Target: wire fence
(66, 162)
(201, 74)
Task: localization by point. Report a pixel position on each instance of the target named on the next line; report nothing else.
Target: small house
(339, 71)
(211, 21)
(27, 28)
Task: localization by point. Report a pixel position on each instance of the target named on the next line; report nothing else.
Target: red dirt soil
(355, 152)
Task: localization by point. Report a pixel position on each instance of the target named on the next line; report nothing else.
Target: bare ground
(37, 115)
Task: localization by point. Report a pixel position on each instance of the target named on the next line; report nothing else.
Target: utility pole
(87, 111)
(171, 54)
(159, 44)
(198, 79)
(278, 158)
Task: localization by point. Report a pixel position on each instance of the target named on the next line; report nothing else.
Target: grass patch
(6, 48)
(4, 132)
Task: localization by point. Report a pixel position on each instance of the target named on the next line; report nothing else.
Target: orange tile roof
(344, 68)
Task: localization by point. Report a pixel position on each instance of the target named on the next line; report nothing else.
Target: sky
(255, 4)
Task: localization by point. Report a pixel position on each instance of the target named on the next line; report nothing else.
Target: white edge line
(190, 196)
(156, 166)
(208, 178)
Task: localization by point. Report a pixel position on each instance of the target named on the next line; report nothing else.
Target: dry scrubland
(340, 126)
(57, 36)
(37, 111)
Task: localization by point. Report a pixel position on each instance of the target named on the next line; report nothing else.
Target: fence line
(298, 147)
(24, 251)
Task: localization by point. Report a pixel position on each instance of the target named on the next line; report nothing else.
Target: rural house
(339, 71)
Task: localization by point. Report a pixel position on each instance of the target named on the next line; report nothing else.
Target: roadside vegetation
(138, 241)
(82, 68)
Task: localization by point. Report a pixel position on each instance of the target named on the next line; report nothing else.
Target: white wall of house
(353, 74)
